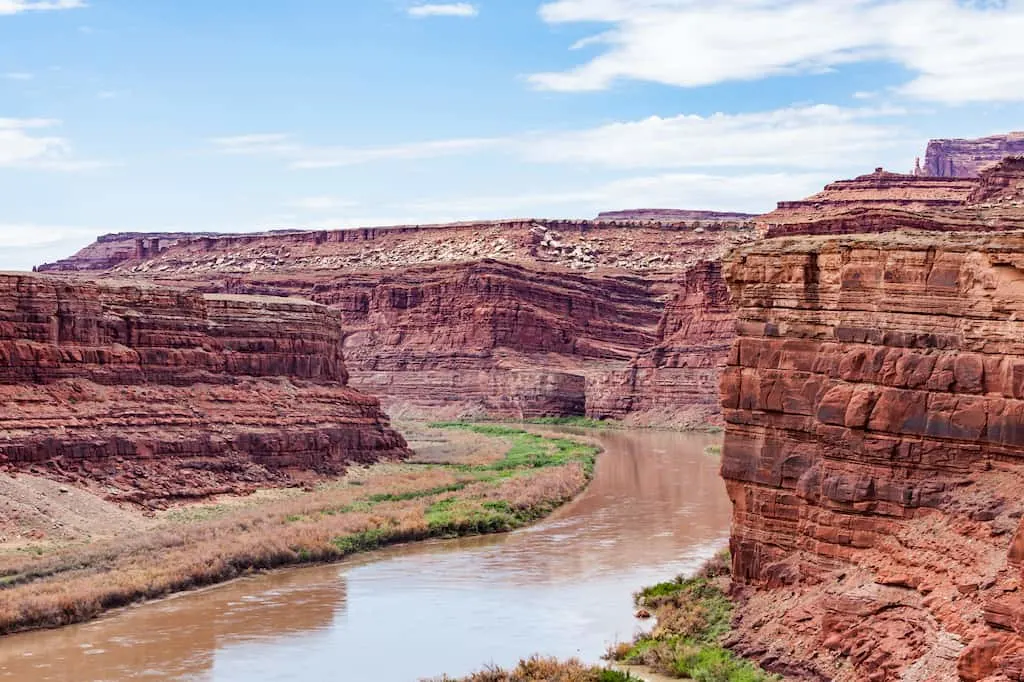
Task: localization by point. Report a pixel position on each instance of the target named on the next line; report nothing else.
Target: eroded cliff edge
(147, 393)
(874, 449)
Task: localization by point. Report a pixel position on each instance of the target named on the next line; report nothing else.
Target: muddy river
(656, 508)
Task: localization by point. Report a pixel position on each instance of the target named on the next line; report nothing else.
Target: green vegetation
(713, 451)
(528, 450)
(693, 616)
(582, 422)
(538, 669)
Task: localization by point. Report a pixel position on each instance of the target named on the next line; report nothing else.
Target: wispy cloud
(18, 76)
(447, 9)
(18, 6)
(958, 51)
(755, 192)
(813, 136)
(24, 145)
(298, 155)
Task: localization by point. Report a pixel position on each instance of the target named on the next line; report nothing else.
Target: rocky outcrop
(517, 318)
(151, 393)
(874, 454)
(960, 158)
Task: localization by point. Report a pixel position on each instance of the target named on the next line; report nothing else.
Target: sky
(242, 115)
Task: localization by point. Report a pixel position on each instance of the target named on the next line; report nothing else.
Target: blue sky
(239, 115)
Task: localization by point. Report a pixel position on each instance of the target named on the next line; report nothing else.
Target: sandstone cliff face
(966, 158)
(154, 393)
(675, 381)
(875, 454)
(518, 318)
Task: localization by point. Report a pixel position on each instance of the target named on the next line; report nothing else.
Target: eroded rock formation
(874, 450)
(883, 202)
(961, 158)
(150, 393)
(516, 318)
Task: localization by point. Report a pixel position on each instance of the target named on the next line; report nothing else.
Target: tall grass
(693, 617)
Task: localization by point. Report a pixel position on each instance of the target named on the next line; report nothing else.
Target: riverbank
(692, 620)
(465, 480)
(590, 423)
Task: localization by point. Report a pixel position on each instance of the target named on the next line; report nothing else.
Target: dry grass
(384, 505)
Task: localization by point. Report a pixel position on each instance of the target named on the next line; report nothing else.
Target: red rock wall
(874, 454)
(959, 158)
(675, 381)
(158, 393)
(515, 319)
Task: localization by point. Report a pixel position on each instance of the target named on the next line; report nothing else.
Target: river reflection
(656, 507)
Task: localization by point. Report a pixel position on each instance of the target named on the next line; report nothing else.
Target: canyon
(874, 405)
(862, 347)
(148, 394)
(610, 318)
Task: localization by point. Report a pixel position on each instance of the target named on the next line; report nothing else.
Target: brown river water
(656, 508)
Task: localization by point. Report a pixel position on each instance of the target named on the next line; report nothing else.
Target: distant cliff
(517, 318)
(965, 158)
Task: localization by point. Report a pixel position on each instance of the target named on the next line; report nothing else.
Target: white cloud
(23, 245)
(18, 76)
(23, 145)
(815, 136)
(448, 9)
(321, 203)
(303, 156)
(957, 51)
(812, 136)
(17, 6)
(756, 192)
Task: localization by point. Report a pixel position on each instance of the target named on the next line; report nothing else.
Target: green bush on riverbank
(693, 616)
(538, 669)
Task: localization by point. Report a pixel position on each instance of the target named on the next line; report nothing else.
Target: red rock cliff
(159, 393)
(517, 318)
(960, 158)
(874, 448)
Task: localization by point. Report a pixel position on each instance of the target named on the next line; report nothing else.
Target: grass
(524, 477)
(713, 451)
(582, 422)
(693, 616)
(538, 669)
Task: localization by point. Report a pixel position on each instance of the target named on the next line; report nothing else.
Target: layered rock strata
(883, 201)
(874, 454)
(675, 381)
(959, 158)
(517, 318)
(151, 393)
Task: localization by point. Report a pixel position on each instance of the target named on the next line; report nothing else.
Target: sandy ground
(35, 510)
